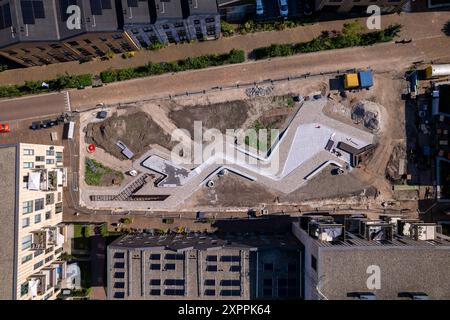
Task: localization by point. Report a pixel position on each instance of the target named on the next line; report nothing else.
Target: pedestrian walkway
(248, 42)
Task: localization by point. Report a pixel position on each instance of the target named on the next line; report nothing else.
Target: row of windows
(167, 266)
(30, 164)
(27, 206)
(37, 219)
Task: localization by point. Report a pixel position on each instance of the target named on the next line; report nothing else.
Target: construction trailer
(69, 129)
(358, 80)
(351, 81)
(437, 70)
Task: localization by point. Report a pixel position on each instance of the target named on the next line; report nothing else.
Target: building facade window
(48, 215)
(37, 218)
(58, 207)
(40, 158)
(50, 161)
(27, 207)
(38, 204)
(26, 242)
(27, 258)
(28, 165)
(24, 289)
(49, 198)
(28, 152)
(38, 265)
(25, 222)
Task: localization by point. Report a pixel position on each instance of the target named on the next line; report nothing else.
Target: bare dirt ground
(233, 114)
(135, 128)
(232, 109)
(367, 182)
(221, 116)
(249, 193)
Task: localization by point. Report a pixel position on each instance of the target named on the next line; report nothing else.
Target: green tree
(227, 29)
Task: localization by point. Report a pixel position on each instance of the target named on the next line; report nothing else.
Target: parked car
(37, 125)
(133, 173)
(337, 172)
(259, 7)
(5, 127)
(284, 11)
(102, 114)
(49, 123)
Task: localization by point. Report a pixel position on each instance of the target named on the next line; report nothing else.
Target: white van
(283, 7)
(259, 7)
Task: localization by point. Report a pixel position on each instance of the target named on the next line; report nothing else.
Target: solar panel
(96, 7)
(132, 3)
(38, 9)
(27, 12)
(63, 4)
(7, 16)
(2, 22)
(106, 4)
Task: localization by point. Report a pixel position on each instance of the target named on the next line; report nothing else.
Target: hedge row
(349, 37)
(150, 69)
(60, 83)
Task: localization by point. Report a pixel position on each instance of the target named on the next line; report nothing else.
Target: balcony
(48, 278)
(47, 237)
(47, 180)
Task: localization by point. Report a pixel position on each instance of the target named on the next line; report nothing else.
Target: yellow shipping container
(351, 80)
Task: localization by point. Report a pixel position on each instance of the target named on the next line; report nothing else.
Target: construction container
(351, 80)
(365, 79)
(437, 70)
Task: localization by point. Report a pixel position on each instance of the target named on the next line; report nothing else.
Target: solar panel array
(5, 17)
(32, 10)
(97, 6)
(132, 3)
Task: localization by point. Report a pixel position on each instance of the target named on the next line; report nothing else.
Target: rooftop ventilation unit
(404, 226)
(423, 231)
(306, 219)
(414, 295)
(330, 232)
(352, 223)
(391, 218)
(362, 295)
(376, 230)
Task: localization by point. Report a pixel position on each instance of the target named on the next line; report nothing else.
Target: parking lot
(272, 9)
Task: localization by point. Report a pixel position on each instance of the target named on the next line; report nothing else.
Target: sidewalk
(411, 29)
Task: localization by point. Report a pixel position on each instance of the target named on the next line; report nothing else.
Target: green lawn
(95, 178)
(80, 241)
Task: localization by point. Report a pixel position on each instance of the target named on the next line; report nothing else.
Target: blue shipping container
(365, 79)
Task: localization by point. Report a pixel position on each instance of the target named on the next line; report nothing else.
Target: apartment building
(359, 258)
(358, 6)
(33, 177)
(204, 266)
(150, 22)
(37, 33)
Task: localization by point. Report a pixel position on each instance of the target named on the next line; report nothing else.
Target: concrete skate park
(311, 142)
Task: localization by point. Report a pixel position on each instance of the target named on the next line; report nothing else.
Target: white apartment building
(32, 178)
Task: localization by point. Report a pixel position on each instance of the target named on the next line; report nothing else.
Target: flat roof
(9, 221)
(203, 241)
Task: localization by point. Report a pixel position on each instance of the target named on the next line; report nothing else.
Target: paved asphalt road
(381, 57)
(32, 107)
